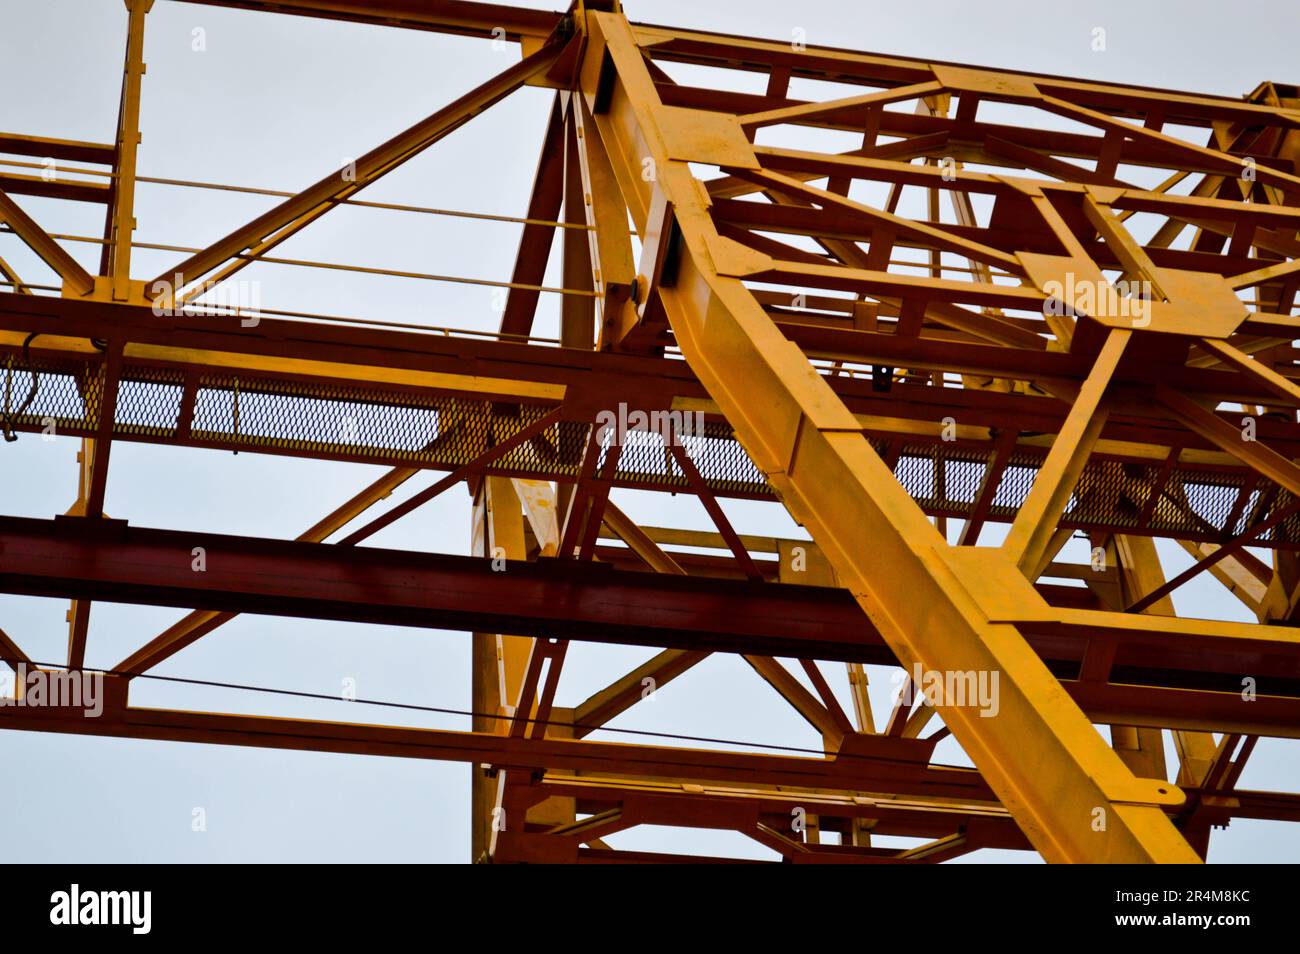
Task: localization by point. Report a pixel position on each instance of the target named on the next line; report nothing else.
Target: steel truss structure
(1060, 353)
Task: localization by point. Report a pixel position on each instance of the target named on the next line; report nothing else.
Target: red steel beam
(70, 149)
(106, 559)
(72, 557)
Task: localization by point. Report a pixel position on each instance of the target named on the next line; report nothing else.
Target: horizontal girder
(1200, 665)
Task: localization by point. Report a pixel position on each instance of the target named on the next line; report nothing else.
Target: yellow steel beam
(128, 143)
(613, 266)
(806, 111)
(641, 543)
(579, 269)
(875, 69)
(1231, 439)
(75, 278)
(1234, 572)
(538, 498)
(10, 651)
(507, 672)
(1213, 159)
(94, 455)
(936, 606)
(1035, 525)
(343, 372)
(939, 238)
(9, 275)
(629, 689)
(494, 21)
(1266, 274)
(1141, 747)
(1131, 255)
(675, 536)
(1283, 387)
(346, 182)
(254, 252)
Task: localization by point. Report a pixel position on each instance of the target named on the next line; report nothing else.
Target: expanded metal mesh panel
(645, 459)
(962, 476)
(1198, 501)
(1256, 501)
(67, 393)
(1288, 531)
(915, 473)
(1111, 492)
(149, 402)
(1014, 486)
(942, 477)
(448, 431)
(433, 430)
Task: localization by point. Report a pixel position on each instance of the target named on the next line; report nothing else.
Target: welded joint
(1008, 87)
(994, 585)
(1141, 792)
(704, 137)
(102, 290)
(731, 259)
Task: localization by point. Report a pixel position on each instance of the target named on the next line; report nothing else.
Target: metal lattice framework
(973, 318)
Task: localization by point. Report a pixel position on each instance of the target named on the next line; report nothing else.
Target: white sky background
(277, 102)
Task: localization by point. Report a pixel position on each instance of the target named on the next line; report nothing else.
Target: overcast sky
(276, 102)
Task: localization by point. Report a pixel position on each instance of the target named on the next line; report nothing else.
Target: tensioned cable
(397, 207)
(371, 270)
(337, 266)
(201, 309)
(58, 667)
(276, 193)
